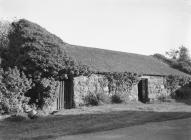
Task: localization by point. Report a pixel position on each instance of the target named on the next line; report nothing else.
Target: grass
(70, 123)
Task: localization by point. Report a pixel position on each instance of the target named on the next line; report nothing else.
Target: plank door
(60, 99)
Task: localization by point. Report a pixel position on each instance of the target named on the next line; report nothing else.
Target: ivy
(42, 58)
(74, 71)
(121, 81)
(173, 82)
(13, 86)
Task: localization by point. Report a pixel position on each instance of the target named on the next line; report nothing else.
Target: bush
(183, 93)
(43, 93)
(103, 98)
(174, 82)
(162, 98)
(41, 56)
(96, 99)
(116, 99)
(91, 99)
(13, 86)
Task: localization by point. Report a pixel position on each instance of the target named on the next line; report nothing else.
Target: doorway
(143, 90)
(65, 98)
(69, 93)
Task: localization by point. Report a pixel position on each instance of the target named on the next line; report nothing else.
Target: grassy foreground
(55, 126)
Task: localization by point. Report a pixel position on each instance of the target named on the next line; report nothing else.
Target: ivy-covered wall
(102, 87)
(178, 86)
(98, 84)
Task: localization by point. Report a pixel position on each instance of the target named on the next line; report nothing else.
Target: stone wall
(98, 84)
(133, 95)
(94, 84)
(127, 95)
(156, 88)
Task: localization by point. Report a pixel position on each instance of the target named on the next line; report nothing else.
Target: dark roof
(114, 61)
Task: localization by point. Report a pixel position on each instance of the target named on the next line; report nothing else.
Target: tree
(41, 56)
(184, 55)
(179, 59)
(180, 54)
(173, 53)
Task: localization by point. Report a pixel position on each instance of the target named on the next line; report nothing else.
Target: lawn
(92, 119)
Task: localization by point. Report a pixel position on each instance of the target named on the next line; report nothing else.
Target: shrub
(162, 98)
(116, 99)
(13, 86)
(103, 98)
(183, 93)
(174, 82)
(44, 92)
(41, 56)
(91, 99)
(95, 99)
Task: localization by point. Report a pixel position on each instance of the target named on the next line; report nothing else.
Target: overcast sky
(137, 26)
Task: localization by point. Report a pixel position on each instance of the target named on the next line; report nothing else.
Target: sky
(136, 26)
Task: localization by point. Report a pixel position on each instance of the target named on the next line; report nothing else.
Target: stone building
(151, 82)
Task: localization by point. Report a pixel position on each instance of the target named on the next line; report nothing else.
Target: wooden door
(60, 99)
(66, 94)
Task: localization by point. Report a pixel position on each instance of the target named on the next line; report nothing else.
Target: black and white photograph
(95, 69)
